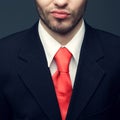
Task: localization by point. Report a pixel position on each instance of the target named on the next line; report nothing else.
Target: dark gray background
(16, 15)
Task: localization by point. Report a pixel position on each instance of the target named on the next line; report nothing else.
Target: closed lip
(60, 14)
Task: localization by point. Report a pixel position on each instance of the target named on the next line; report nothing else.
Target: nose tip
(61, 3)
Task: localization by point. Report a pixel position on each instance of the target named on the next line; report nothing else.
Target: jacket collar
(34, 72)
(89, 73)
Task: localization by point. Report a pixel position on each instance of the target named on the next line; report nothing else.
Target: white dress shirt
(51, 46)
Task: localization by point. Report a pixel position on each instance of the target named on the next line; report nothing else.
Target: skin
(61, 18)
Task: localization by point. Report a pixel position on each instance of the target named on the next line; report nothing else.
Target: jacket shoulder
(15, 37)
(106, 36)
(18, 36)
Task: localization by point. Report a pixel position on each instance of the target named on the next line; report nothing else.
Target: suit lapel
(33, 71)
(89, 74)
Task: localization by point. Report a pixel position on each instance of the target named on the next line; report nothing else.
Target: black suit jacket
(26, 87)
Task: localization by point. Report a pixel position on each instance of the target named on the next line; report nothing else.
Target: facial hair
(62, 30)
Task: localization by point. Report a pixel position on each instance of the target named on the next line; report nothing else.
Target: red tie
(61, 80)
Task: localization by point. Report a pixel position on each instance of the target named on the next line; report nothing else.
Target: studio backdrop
(17, 15)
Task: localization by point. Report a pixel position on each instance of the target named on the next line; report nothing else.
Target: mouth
(60, 14)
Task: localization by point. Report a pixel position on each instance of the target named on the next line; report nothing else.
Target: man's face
(61, 16)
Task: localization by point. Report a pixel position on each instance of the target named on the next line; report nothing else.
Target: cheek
(43, 3)
(78, 5)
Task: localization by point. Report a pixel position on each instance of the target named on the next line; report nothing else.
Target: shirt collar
(51, 46)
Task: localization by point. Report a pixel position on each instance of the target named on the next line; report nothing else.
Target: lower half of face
(62, 20)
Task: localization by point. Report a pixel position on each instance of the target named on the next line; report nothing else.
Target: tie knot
(62, 58)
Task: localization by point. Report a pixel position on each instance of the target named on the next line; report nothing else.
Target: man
(34, 86)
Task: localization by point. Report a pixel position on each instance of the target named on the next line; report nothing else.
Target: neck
(63, 39)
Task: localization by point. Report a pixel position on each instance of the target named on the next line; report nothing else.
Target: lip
(60, 14)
